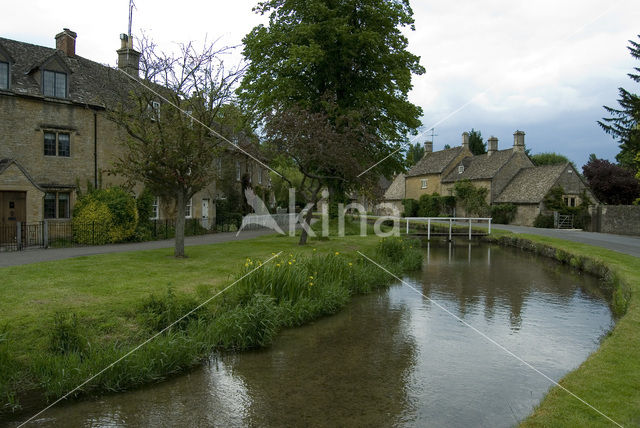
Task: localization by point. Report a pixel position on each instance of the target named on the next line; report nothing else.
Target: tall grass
(288, 291)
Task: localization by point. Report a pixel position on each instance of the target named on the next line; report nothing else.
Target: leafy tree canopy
(343, 59)
(476, 145)
(548, 158)
(415, 152)
(610, 183)
(623, 124)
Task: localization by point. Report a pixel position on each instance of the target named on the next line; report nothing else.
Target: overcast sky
(544, 67)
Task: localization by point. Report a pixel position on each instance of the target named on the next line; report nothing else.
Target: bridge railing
(449, 220)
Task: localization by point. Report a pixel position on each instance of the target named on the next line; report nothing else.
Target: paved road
(621, 243)
(16, 258)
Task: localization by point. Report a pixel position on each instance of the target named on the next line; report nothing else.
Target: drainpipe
(95, 149)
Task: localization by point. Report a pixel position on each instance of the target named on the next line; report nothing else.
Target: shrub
(473, 199)
(410, 207)
(91, 212)
(429, 205)
(544, 221)
(503, 213)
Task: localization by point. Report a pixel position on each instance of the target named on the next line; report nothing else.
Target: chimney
(518, 141)
(428, 146)
(465, 140)
(492, 145)
(66, 42)
(128, 58)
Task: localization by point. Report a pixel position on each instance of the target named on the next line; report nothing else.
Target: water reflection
(393, 358)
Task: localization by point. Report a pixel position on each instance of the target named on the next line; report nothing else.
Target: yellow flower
(294, 260)
(289, 262)
(311, 284)
(337, 253)
(277, 264)
(246, 265)
(350, 264)
(314, 249)
(311, 277)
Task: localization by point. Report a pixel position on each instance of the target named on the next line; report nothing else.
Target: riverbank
(608, 380)
(95, 309)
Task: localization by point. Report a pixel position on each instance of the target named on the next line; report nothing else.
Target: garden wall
(618, 219)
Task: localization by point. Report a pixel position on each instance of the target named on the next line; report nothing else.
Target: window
(460, 169)
(238, 171)
(54, 84)
(187, 211)
(570, 201)
(57, 205)
(155, 209)
(57, 144)
(423, 183)
(154, 110)
(4, 75)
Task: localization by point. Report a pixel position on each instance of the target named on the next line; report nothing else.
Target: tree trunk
(308, 217)
(181, 205)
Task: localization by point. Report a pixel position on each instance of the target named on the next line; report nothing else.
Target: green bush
(158, 312)
(503, 213)
(429, 205)
(473, 199)
(410, 207)
(544, 221)
(105, 216)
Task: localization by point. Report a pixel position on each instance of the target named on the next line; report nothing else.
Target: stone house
(393, 197)
(55, 137)
(492, 170)
(425, 177)
(529, 187)
(508, 175)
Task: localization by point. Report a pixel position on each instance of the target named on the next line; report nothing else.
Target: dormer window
(460, 169)
(54, 84)
(154, 110)
(4, 75)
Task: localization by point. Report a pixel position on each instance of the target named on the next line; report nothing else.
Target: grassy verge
(609, 379)
(66, 320)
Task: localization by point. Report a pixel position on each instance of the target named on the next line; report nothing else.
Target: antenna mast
(433, 134)
(131, 6)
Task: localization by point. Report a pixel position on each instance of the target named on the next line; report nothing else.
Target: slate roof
(481, 166)
(86, 81)
(396, 189)
(530, 185)
(435, 162)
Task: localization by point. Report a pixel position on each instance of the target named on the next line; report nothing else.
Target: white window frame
(154, 110)
(188, 209)
(460, 169)
(423, 183)
(155, 209)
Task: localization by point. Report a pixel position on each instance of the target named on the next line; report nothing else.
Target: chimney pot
(66, 42)
(128, 58)
(518, 141)
(492, 145)
(428, 146)
(465, 140)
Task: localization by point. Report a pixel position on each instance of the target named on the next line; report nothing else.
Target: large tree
(415, 152)
(476, 145)
(624, 122)
(611, 183)
(169, 116)
(341, 63)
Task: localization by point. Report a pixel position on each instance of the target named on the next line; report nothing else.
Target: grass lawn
(105, 289)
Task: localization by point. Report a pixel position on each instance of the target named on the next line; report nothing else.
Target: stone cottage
(55, 136)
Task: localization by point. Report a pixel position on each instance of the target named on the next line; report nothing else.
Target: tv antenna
(433, 134)
(131, 6)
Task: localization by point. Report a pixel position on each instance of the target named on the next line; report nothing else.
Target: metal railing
(450, 221)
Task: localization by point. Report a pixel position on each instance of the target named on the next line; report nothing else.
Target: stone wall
(618, 219)
(526, 214)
